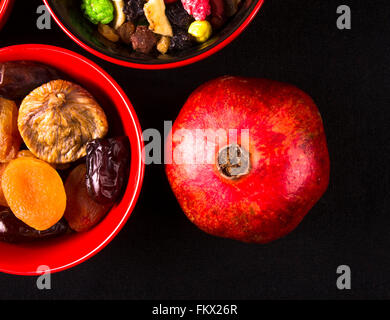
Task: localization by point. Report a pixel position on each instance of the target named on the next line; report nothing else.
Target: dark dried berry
(143, 40)
(107, 168)
(125, 31)
(134, 9)
(14, 230)
(177, 16)
(181, 40)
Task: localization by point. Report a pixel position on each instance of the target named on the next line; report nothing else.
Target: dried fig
(57, 120)
(9, 135)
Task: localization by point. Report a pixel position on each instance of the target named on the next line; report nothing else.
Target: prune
(134, 9)
(143, 40)
(107, 168)
(82, 212)
(18, 78)
(178, 16)
(14, 230)
(181, 40)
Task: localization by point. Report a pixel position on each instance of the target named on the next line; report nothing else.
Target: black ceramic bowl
(68, 15)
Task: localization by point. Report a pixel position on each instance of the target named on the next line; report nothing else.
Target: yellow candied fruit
(201, 30)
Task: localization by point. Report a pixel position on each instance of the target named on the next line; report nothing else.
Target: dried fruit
(44, 203)
(143, 40)
(181, 40)
(29, 154)
(98, 11)
(201, 30)
(155, 14)
(134, 9)
(125, 31)
(120, 16)
(15, 231)
(19, 78)
(3, 202)
(9, 135)
(231, 7)
(178, 16)
(82, 212)
(107, 32)
(57, 120)
(199, 9)
(107, 168)
(163, 44)
(218, 13)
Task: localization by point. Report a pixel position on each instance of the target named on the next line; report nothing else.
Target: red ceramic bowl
(69, 17)
(67, 251)
(5, 10)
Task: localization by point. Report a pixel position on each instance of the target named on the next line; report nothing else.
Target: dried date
(14, 230)
(19, 78)
(107, 168)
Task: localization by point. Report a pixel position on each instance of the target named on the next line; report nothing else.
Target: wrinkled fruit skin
(289, 161)
(14, 230)
(82, 212)
(107, 168)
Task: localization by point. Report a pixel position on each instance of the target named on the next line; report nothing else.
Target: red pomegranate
(247, 158)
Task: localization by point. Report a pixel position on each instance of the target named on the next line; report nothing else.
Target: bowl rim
(5, 10)
(169, 65)
(140, 146)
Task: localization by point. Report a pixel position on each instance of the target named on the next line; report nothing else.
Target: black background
(159, 254)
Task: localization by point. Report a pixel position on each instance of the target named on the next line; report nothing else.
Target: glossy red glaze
(68, 251)
(5, 10)
(289, 161)
(181, 63)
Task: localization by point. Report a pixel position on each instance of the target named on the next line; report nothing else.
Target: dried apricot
(57, 120)
(9, 135)
(34, 192)
(57, 166)
(82, 212)
(15, 231)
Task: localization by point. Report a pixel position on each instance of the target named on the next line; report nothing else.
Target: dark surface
(159, 254)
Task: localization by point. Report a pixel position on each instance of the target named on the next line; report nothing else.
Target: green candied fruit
(98, 11)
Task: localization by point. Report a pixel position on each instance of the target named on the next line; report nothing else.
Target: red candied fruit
(199, 9)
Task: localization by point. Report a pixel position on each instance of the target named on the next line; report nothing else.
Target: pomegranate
(247, 158)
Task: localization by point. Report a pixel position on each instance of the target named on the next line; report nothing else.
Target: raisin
(14, 230)
(125, 31)
(134, 9)
(107, 168)
(178, 16)
(181, 40)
